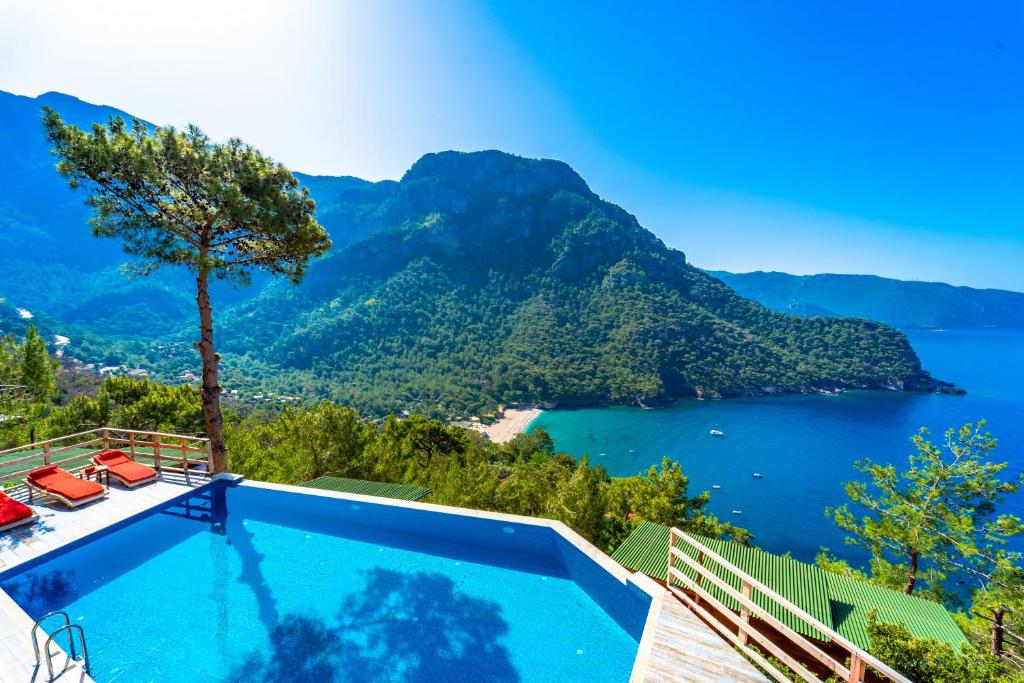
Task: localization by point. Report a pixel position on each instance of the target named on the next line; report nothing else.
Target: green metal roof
(368, 488)
(646, 550)
(852, 600)
(838, 601)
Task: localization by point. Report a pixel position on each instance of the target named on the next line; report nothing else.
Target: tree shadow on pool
(410, 628)
(38, 594)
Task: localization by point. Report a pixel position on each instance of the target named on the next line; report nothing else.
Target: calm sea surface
(804, 446)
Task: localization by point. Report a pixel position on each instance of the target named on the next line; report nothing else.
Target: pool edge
(23, 623)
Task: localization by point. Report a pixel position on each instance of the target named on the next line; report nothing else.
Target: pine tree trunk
(211, 386)
(912, 574)
(996, 646)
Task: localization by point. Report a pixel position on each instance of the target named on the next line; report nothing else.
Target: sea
(804, 446)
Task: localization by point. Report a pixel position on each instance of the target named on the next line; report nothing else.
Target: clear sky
(864, 137)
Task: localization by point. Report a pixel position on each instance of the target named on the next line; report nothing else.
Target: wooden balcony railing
(689, 578)
(167, 452)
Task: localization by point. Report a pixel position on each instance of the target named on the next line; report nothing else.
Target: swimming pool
(262, 583)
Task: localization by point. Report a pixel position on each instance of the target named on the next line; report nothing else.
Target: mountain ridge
(581, 304)
(902, 303)
(481, 278)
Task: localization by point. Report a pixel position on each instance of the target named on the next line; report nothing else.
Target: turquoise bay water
(247, 584)
(805, 445)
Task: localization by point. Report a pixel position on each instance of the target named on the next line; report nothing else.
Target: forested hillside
(503, 279)
(894, 302)
(478, 279)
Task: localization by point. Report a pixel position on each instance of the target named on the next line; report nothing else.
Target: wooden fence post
(857, 668)
(105, 435)
(184, 461)
(131, 443)
(745, 612)
(156, 450)
(47, 458)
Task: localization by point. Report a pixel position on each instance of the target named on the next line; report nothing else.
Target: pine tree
(174, 198)
(935, 517)
(36, 370)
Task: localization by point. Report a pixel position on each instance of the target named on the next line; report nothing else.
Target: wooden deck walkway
(681, 647)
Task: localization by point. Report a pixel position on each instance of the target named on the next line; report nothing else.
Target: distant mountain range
(477, 279)
(894, 302)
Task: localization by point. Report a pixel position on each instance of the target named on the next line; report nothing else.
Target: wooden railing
(167, 452)
(692, 588)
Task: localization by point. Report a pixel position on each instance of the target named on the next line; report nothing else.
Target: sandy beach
(512, 422)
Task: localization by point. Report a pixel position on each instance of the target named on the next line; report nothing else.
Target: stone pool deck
(676, 645)
(57, 526)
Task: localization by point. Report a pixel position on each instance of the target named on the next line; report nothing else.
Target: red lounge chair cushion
(43, 476)
(12, 511)
(111, 458)
(131, 471)
(74, 488)
(63, 483)
(124, 468)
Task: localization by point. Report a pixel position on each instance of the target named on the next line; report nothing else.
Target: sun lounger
(14, 513)
(124, 469)
(61, 485)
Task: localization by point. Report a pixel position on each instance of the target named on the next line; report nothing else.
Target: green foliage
(996, 619)
(830, 563)
(29, 365)
(937, 517)
(929, 661)
(9, 371)
(175, 198)
(521, 477)
(125, 402)
(659, 495)
(28, 379)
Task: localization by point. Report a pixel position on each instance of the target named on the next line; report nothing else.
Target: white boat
(758, 475)
(716, 486)
(737, 512)
(715, 431)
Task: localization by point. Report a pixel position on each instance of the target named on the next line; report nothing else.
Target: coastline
(513, 421)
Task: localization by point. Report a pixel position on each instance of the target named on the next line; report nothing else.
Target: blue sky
(809, 137)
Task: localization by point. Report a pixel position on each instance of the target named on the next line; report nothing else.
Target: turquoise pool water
(247, 583)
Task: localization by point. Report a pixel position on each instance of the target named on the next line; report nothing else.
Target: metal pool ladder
(71, 629)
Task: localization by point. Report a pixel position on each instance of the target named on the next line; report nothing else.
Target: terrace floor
(57, 526)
